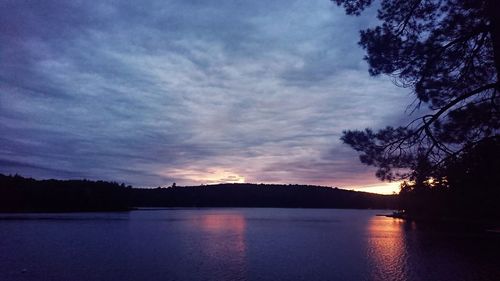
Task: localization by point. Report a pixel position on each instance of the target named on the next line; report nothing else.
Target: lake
(240, 244)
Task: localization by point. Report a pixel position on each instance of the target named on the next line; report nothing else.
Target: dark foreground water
(239, 244)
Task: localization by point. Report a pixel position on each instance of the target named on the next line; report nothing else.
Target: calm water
(239, 244)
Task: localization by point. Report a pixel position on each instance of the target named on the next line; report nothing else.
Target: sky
(153, 92)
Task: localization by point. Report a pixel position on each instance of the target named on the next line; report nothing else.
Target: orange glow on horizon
(381, 188)
(208, 176)
(219, 175)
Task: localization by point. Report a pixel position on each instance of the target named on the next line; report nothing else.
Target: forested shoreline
(19, 194)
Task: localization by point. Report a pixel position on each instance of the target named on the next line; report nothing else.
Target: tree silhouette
(448, 53)
(19, 194)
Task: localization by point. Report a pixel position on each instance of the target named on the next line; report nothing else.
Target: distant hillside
(25, 194)
(259, 195)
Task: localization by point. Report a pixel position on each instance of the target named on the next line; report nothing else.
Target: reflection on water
(224, 242)
(398, 250)
(221, 223)
(387, 249)
(240, 244)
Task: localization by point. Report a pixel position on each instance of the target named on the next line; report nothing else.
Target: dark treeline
(466, 188)
(23, 194)
(260, 195)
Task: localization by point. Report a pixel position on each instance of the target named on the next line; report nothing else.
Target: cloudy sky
(151, 92)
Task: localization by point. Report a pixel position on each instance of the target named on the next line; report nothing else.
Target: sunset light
(207, 176)
(225, 140)
(381, 188)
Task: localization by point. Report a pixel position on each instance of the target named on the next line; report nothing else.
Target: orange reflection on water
(224, 242)
(222, 222)
(387, 249)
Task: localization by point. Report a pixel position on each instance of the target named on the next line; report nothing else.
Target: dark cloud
(187, 91)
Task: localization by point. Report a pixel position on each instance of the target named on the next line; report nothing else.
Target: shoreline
(484, 224)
